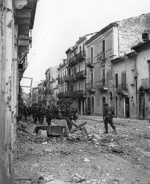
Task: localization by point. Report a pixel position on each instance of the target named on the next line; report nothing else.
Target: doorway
(92, 99)
(88, 106)
(127, 107)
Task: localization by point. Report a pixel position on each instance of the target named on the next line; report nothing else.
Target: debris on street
(86, 156)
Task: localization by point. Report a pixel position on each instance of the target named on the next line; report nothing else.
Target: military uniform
(108, 118)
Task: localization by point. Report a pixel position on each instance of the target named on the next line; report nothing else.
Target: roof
(141, 45)
(114, 24)
(123, 58)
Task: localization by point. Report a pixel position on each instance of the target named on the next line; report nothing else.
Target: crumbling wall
(130, 32)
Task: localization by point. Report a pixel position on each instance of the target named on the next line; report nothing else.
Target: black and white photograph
(74, 92)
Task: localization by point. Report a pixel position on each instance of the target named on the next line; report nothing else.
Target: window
(92, 55)
(92, 77)
(71, 87)
(80, 48)
(103, 76)
(123, 80)
(103, 48)
(69, 71)
(116, 80)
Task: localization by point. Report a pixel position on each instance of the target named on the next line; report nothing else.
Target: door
(127, 107)
(92, 99)
(141, 104)
(89, 106)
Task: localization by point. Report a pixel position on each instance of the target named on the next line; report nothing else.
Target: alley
(122, 158)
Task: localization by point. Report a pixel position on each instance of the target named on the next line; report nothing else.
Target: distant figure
(41, 114)
(25, 112)
(108, 117)
(48, 115)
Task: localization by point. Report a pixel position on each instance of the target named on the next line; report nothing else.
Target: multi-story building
(16, 23)
(34, 95)
(51, 85)
(62, 75)
(124, 97)
(76, 59)
(41, 94)
(115, 40)
(143, 77)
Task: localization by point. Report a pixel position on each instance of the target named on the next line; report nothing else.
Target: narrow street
(122, 158)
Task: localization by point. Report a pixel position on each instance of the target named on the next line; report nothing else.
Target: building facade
(16, 22)
(113, 41)
(51, 86)
(76, 78)
(124, 97)
(143, 78)
(62, 85)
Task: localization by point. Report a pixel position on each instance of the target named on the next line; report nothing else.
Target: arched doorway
(92, 101)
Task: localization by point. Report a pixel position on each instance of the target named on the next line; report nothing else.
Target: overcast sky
(59, 24)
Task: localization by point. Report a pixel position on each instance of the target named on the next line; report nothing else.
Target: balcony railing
(71, 77)
(120, 88)
(80, 93)
(66, 78)
(81, 74)
(104, 84)
(90, 63)
(81, 55)
(60, 95)
(72, 61)
(70, 94)
(145, 83)
(60, 80)
(90, 87)
(48, 91)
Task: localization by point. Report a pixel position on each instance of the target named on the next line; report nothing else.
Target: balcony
(102, 85)
(90, 87)
(81, 56)
(145, 83)
(80, 94)
(66, 78)
(70, 94)
(102, 57)
(72, 61)
(60, 80)
(48, 92)
(60, 95)
(71, 77)
(122, 89)
(80, 75)
(90, 63)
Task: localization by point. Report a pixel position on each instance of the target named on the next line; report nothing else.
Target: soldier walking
(108, 118)
(49, 115)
